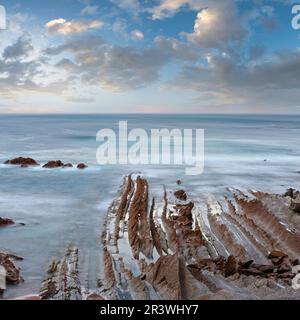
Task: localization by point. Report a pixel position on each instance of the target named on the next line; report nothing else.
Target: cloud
(168, 8)
(89, 10)
(132, 6)
(218, 24)
(225, 81)
(16, 73)
(64, 27)
(95, 62)
(20, 49)
(137, 35)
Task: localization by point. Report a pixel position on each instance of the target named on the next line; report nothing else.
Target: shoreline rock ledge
(239, 247)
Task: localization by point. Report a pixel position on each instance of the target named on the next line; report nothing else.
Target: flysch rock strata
(242, 246)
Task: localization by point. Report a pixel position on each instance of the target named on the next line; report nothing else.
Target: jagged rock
(12, 272)
(180, 195)
(68, 165)
(295, 205)
(24, 162)
(276, 254)
(53, 164)
(190, 242)
(264, 268)
(289, 193)
(246, 265)
(63, 282)
(82, 166)
(5, 222)
(251, 272)
(231, 266)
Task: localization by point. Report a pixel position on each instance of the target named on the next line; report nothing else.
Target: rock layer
(12, 272)
(63, 281)
(242, 246)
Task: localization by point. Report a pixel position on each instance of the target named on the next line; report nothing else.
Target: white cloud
(64, 27)
(137, 35)
(89, 10)
(168, 8)
(218, 24)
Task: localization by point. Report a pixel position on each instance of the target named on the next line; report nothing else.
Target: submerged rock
(6, 222)
(82, 166)
(24, 162)
(53, 164)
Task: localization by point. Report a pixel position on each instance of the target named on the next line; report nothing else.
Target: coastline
(175, 247)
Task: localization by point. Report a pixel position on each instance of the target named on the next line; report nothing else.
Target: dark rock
(5, 222)
(295, 205)
(246, 265)
(251, 272)
(231, 266)
(264, 268)
(82, 166)
(178, 182)
(53, 164)
(289, 193)
(24, 162)
(180, 195)
(276, 254)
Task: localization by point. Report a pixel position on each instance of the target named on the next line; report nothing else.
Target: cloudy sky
(177, 56)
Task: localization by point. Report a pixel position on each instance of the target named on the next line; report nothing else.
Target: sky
(149, 56)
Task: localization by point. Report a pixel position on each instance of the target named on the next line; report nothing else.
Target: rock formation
(7, 261)
(53, 164)
(242, 246)
(24, 162)
(63, 281)
(5, 222)
(82, 166)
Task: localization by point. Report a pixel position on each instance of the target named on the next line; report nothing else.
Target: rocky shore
(243, 245)
(29, 162)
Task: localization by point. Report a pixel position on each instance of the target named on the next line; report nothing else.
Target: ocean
(62, 207)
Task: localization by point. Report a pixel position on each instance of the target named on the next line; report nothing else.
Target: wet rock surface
(63, 282)
(180, 195)
(242, 246)
(53, 164)
(4, 222)
(82, 166)
(24, 162)
(12, 272)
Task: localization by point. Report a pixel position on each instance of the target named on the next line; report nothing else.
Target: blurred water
(68, 206)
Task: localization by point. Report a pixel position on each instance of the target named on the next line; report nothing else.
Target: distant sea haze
(68, 206)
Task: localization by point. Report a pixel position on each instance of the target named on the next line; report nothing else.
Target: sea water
(62, 207)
